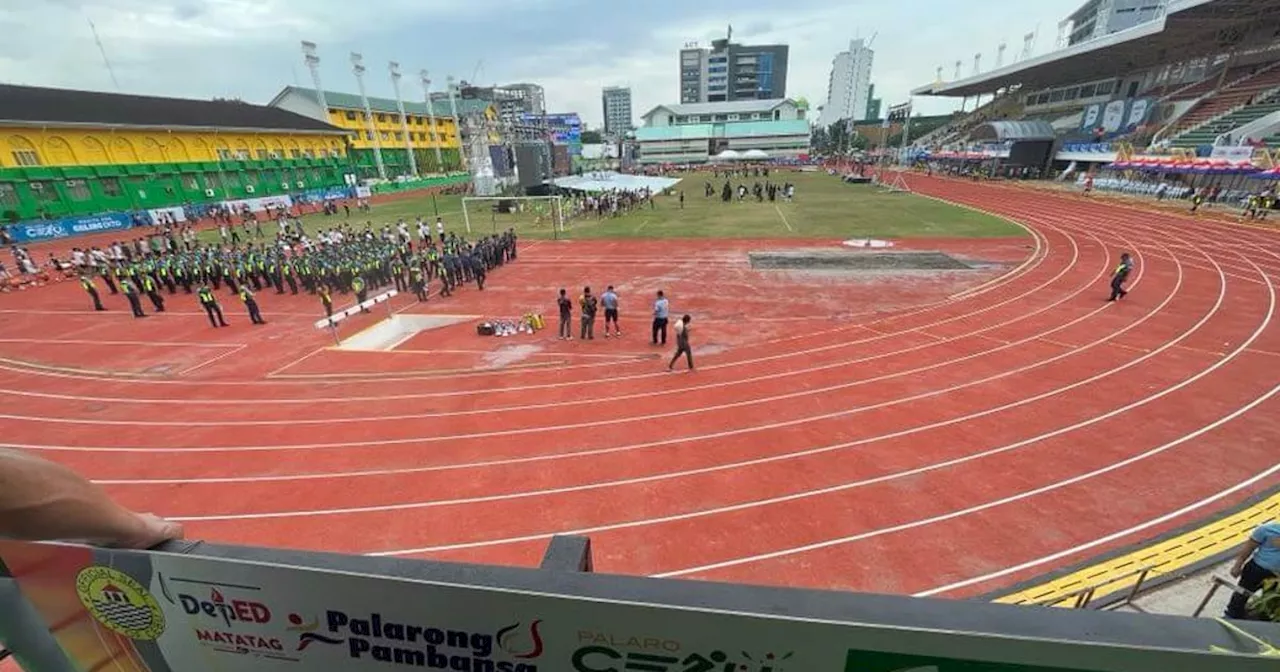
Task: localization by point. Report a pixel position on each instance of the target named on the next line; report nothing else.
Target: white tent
(611, 181)
(755, 154)
(727, 155)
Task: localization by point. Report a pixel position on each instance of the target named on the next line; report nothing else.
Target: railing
(1216, 583)
(1083, 598)
(190, 606)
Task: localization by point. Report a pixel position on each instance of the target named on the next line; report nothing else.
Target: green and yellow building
(65, 153)
(428, 129)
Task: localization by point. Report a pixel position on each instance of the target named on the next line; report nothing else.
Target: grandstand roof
(1189, 29)
(40, 105)
(351, 101)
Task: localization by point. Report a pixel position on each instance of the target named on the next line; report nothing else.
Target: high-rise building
(617, 110)
(849, 91)
(873, 104)
(729, 71)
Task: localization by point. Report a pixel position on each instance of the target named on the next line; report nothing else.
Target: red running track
(943, 435)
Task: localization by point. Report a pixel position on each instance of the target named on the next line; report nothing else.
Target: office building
(617, 110)
(696, 132)
(728, 72)
(1099, 18)
(849, 89)
(874, 105)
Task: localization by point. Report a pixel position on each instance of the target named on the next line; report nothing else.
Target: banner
(37, 231)
(260, 203)
(1092, 114)
(1232, 154)
(167, 612)
(1113, 116)
(1139, 112)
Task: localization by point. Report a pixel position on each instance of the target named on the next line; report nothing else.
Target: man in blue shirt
(1257, 561)
(660, 315)
(610, 302)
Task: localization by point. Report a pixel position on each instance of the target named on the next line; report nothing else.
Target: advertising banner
(1092, 115)
(37, 231)
(1139, 112)
(259, 204)
(1113, 116)
(1232, 154)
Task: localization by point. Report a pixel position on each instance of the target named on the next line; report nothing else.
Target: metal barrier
(331, 322)
(1083, 598)
(1216, 583)
(190, 606)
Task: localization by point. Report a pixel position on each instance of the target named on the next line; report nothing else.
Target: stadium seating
(1205, 134)
(1238, 94)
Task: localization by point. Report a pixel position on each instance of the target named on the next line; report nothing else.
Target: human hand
(152, 531)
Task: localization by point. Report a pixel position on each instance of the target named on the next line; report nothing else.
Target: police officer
(131, 292)
(87, 283)
(362, 294)
(326, 299)
(152, 289)
(210, 304)
(251, 305)
(1120, 276)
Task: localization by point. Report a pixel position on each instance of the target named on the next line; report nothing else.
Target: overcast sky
(250, 48)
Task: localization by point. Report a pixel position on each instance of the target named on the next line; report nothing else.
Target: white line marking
(784, 218)
(209, 361)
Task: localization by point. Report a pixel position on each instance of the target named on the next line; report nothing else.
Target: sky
(250, 49)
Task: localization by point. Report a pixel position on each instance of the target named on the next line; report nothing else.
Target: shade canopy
(611, 181)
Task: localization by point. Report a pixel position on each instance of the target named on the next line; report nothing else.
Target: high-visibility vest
(245, 294)
(206, 296)
(357, 284)
(88, 285)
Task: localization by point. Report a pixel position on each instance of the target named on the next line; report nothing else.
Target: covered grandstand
(1204, 74)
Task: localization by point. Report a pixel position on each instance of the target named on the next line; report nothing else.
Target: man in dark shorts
(1120, 276)
(660, 312)
(610, 302)
(566, 316)
(682, 344)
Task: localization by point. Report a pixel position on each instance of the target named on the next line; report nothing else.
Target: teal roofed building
(696, 132)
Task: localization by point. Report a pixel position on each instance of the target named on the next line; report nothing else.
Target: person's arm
(1246, 552)
(40, 500)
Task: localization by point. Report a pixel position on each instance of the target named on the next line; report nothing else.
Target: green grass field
(824, 207)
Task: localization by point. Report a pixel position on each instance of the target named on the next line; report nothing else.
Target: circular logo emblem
(118, 602)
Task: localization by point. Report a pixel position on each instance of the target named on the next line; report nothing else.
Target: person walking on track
(210, 304)
(251, 305)
(1120, 276)
(661, 310)
(92, 290)
(152, 290)
(682, 344)
(131, 292)
(326, 299)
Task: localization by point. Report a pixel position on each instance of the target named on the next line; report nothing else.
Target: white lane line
(543, 428)
(1074, 262)
(89, 341)
(211, 360)
(784, 218)
(757, 461)
(1032, 262)
(1052, 486)
(1115, 536)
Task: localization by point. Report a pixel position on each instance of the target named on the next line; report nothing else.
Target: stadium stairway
(1238, 94)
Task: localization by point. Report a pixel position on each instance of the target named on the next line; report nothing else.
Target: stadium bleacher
(1231, 106)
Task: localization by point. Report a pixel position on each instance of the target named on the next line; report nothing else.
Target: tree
(591, 138)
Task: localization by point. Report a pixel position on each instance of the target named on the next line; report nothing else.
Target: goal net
(492, 214)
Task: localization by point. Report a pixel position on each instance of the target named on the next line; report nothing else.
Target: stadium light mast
(457, 122)
(431, 116)
(1000, 55)
(393, 69)
(357, 67)
(1028, 45)
(938, 75)
(977, 63)
(958, 66)
(312, 59)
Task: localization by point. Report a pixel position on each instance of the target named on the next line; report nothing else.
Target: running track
(944, 449)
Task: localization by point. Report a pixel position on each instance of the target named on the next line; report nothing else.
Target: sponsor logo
(243, 644)
(374, 638)
(43, 231)
(229, 611)
(652, 657)
(120, 603)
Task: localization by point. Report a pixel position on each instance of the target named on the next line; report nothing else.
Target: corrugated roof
(32, 104)
(731, 107)
(1016, 131)
(351, 101)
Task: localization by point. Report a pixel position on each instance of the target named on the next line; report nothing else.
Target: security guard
(326, 299)
(251, 305)
(131, 292)
(149, 286)
(87, 283)
(357, 286)
(1120, 276)
(210, 304)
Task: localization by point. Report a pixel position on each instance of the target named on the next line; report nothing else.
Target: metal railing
(1217, 582)
(1083, 597)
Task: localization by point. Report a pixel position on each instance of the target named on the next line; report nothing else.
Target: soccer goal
(499, 213)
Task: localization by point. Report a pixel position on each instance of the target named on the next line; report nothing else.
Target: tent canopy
(727, 155)
(611, 181)
(755, 154)
(1014, 131)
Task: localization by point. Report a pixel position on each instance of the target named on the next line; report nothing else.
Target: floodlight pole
(457, 123)
(431, 115)
(394, 69)
(357, 67)
(312, 59)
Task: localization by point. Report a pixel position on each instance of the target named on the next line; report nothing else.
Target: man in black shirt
(1120, 276)
(566, 316)
(589, 304)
